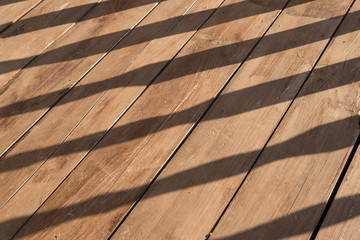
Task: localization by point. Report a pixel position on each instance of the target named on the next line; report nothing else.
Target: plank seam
(73, 129)
(309, 74)
(91, 107)
(154, 130)
(130, 105)
(80, 78)
(197, 121)
(336, 188)
(150, 83)
(33, 59)
(113, 46)
(20, 17)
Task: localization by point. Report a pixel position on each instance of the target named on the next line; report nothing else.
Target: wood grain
(286, 192)
(36, 31)
(343, 219)
(60, 67)
(194, 188)
(156, 43)
(103, 187)
(12, 10)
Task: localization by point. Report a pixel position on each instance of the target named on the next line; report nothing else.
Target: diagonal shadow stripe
(32, 24)
(297, 35)
(7, 2)
(72, 49)
(310, 142)
(243, 96)
(280, 227)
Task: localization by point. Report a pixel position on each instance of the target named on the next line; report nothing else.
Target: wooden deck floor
(180, 119)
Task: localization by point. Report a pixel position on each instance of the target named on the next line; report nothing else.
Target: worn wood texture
(159, 37)
(25, 98)
(343, 219)
(103, 187)
(19, 163)
(12, 10)
(195, 187)
(30, 36)
(286, 192)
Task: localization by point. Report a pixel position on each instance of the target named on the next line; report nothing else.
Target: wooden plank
(195, 187)
(343, 219)
(60, 67)
(12, 10)
(37, 146)
(134, 150)
(30, 36)
(286, 192)
(25, 157)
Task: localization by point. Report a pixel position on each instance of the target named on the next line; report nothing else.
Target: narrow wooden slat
(286, 192)
(95, 195)
(44, 138)
(25, 157)
(343, 219)
(27, 38)
(12, 10)
(61, 66)
(195, 187)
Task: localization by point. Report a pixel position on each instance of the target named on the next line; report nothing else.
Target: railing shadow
(296, 223)
(51, 55)
(32, 24)
(245, 97)
(7, 2)
(314, 141)
(298, 36)
(310, 142)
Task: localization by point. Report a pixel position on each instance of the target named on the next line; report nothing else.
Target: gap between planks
(265, 145)
(132, 107)
(195, 125)
(347, 139)
(338, 185)
(177, 23)
(76, 82)
(321, 50)
(5, 25)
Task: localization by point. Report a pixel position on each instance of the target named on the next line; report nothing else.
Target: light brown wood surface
(12, 10)
(116, 172)
(117, 124)
(28, 96)
(21, 162)
(286, 192)
(38, 29)
(343, 219)
(195, 187)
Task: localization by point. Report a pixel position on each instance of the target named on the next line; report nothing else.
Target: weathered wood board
(195, 187)
(28, 96)
(138, 145)
(36, 31)
(286, 192)
(129, 68)
(343, 219)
